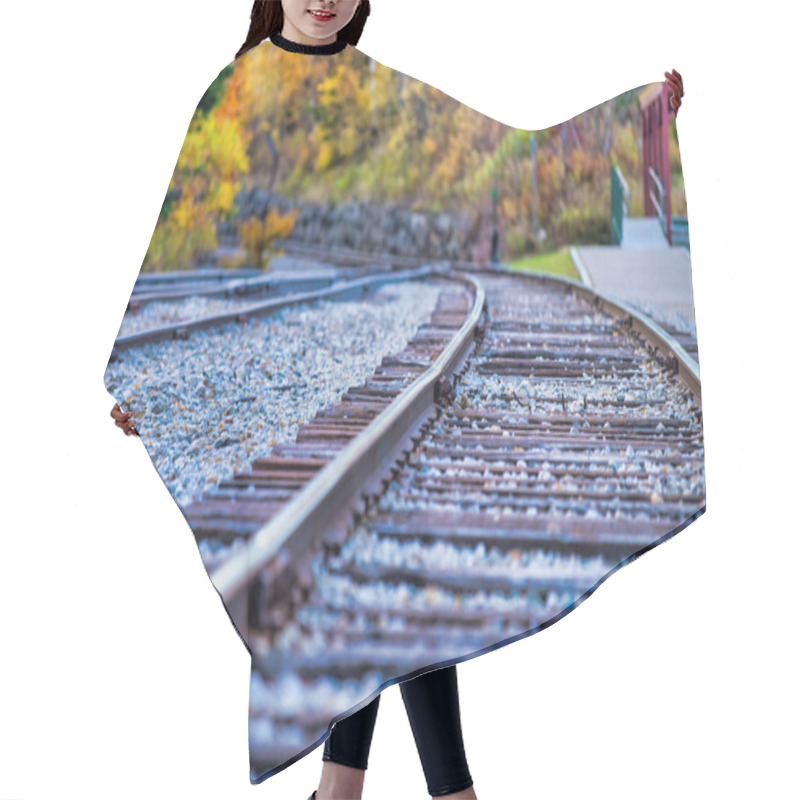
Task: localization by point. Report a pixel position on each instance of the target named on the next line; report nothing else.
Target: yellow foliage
(204, 184)
(222, 195)
(251, 236)
(363, 130)
(324, 156)
(279, 226)
(257, 234)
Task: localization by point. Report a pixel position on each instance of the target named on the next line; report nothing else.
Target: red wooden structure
(656, 113)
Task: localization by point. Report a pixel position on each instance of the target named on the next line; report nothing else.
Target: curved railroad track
(534, 437)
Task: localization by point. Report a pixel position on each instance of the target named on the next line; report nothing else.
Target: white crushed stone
(207, 406)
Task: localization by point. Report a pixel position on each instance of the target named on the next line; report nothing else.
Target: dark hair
(266, 19)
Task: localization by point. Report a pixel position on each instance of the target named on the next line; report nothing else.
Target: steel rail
(181, 330)
(667, 345)
(324, 502)
(270, 284)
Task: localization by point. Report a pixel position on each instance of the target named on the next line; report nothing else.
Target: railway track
(322, 268)
(529, 441)
(280, 294)
(145, 281)
(686, 339)
(249, 286)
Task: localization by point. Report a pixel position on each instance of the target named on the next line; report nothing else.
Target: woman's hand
(675, 83)
(122, 419)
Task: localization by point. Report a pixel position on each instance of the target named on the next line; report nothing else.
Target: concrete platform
(656, 280)
(642, 232)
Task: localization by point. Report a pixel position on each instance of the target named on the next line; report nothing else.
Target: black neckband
(309, 49)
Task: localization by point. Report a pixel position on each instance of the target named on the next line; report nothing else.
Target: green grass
(557, 263)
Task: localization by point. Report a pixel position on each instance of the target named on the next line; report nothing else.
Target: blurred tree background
(299, 128)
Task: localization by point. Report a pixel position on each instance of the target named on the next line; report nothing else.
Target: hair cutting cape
(419, 381)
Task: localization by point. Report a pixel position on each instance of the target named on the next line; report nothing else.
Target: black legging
(432, 706)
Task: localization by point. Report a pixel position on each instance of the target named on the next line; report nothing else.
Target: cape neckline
(310, 49)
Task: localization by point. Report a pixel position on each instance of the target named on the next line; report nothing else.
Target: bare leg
(339, 782)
